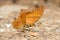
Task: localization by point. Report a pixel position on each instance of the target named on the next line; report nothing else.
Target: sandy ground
(47, 28)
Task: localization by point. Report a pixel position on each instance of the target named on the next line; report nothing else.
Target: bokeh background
(30, 2)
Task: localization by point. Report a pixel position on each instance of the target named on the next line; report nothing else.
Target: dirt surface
(47, 28)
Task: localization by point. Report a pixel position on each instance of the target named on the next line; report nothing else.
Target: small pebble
(33, 33)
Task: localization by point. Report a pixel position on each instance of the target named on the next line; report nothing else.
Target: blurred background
(30, 2)
(50, 20)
